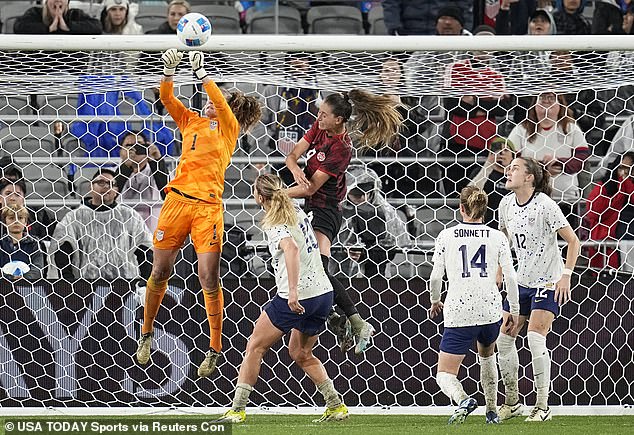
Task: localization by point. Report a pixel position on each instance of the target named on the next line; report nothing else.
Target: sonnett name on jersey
(471, 232)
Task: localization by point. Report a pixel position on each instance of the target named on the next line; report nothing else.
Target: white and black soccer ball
(194, 29)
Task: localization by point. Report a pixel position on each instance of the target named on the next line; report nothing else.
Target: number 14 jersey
(470, 253)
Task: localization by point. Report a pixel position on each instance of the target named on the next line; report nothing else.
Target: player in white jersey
(301, 306)
(471, 253)
(532, 221)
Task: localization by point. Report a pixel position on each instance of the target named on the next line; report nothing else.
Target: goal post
(68, 101)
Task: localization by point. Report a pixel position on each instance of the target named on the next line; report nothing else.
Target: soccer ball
(193, 29)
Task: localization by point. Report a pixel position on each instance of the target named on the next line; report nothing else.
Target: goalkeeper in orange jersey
(193, 205)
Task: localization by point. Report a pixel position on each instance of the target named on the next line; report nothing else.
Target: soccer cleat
(492, 418)
(364, 338)
(232, 416)
(509, 411)
(466, 407)
(337, 413)
(538, 414)
(341, 327)
(208, 366)
(143, 350)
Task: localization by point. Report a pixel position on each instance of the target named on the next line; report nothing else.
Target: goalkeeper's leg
(155, 291)
(209, 276)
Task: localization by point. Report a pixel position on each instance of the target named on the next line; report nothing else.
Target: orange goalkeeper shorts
(181, 217)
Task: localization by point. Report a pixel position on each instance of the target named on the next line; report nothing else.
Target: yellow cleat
(143, 350)
(232, 416)
(337, 413)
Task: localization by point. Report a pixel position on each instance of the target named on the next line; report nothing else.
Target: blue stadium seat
(335, 20)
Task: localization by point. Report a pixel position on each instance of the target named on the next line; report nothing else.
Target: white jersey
(470, 253)
(532, 228)
(313, 281)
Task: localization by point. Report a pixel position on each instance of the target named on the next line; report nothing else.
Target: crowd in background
(484, 129)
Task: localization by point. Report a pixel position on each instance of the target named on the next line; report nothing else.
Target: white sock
(332, 398)
(450, 385)
(489, 381)
(509, 364)
(541, 367)
(241, 396)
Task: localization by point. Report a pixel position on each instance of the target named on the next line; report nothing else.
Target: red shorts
(181, 217)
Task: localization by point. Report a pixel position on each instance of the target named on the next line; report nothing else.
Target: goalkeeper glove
(197, 59)
(171, 58)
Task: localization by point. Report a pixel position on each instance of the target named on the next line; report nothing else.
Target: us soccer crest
(321, 156)
(213, 124)
(159, 235)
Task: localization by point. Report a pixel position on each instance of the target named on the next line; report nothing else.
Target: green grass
(393, 425)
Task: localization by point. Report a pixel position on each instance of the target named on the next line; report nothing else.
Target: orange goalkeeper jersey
(207, 144)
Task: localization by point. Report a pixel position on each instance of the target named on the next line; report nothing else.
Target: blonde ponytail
(279, 209)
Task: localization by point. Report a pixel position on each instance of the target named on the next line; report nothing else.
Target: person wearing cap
(491, 177)
(55, 16)
(118, 19)
(420, 17)
(450, 21)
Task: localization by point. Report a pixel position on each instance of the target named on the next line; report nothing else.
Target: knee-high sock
(155, 290)
(509, 366)
(541, 367)
(241, 397)
(342, 299)
(214, 304)
(489, 381)
(332, 398)
(451, 386)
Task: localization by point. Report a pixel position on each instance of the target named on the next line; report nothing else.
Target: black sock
(342, 299)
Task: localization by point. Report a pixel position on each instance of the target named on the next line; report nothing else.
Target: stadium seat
(335, 20)
(150, 21)
(27, 140)
(225, 20)
(15, 105)
(10, 11)
(263, 21)
(375, 19)
(57, 105)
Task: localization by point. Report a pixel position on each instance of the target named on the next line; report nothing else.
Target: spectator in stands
(492, 177)
(101, 238)
(18, 245)
(472, 116)
(608, 18)
(372, 227)
(56, 17)
(176, 9)
(550, 135)
(142, 176)
(12, 192)
(407, 17)
(118, 19)
(569, 18)
(625, 224)
(622, 143)
(513, 17)
(605, 204)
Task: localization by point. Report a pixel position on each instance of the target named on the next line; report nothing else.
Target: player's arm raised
(177, 110)
(223, 111)
(562, 287)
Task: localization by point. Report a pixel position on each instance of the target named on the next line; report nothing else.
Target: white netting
(69, 341)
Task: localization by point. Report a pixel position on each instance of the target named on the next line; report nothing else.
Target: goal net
(68, 332)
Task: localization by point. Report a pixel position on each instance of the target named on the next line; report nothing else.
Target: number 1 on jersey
(194, 142)
(478, 261)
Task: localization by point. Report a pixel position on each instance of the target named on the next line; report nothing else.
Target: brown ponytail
(541, 175)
